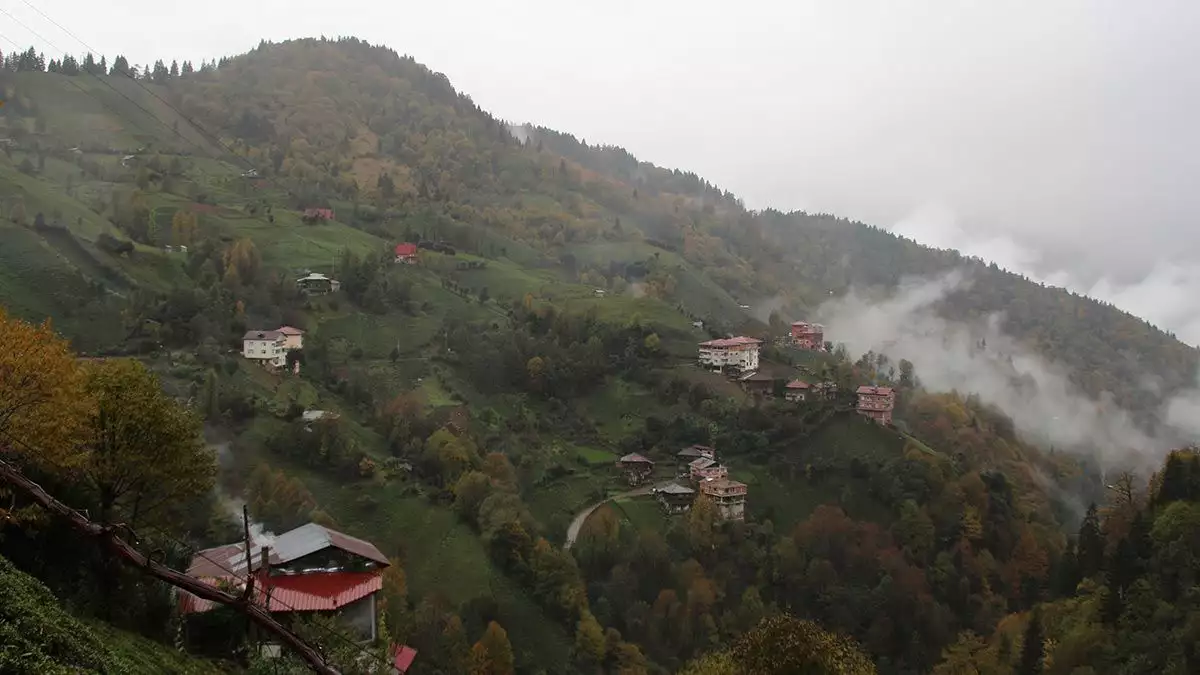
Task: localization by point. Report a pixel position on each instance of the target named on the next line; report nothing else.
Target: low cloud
(979, 358)
(1163, 293)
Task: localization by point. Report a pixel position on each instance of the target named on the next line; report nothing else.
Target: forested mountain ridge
(484, 394)
(337, 117)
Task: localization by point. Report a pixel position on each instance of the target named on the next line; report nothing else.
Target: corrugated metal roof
(402, 657)
(321, 592)
(633, 457)
(312, 537)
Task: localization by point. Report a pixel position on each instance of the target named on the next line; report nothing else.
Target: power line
(104, 103)
(160, 571)
(102, 80)
(195, 125)
(171, 576)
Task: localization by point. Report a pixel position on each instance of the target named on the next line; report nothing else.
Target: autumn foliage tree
(44, 407)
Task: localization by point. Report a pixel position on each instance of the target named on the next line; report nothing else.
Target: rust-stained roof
(798, 384)
(876, 391)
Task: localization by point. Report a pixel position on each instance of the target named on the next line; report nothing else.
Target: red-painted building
(318, 214)
(311, 569)
(876, 403)
(807, 335)
(406, 253)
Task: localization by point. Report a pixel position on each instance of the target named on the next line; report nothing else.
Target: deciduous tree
(44, 406)
(146, 454)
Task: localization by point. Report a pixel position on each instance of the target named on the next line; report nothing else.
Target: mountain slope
(38, 636)
(354, 112)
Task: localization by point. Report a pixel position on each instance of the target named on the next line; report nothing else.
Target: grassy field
(596, 456)
(643, 513)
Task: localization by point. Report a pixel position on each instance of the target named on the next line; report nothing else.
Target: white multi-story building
(265, 346)
(739, 354)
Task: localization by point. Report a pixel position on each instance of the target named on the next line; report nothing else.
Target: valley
(516, 313)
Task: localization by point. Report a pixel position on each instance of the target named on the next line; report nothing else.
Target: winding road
(582, 516)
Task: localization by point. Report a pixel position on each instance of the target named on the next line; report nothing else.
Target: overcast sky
(1057, 138)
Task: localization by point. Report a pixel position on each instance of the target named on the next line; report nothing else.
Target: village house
(826, 390)
(796, 391)
(675, 498)
(406, 253)
(315, 283)
(293, 338)
(265, 347)
(637, 468)
(876, 403)
(729, 496)
(309, 570)
(313, 214)
(705, 468)
(807, 335)
(690, 454)
(759, 384)
(737, 354)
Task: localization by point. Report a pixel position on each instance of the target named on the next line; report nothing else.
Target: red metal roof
(402, 657)
(316, 592)
(319, 592)
(732, 342)
(878, 391)
(798, 384)
(406, 249)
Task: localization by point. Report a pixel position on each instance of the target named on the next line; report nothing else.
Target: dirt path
(582, 516)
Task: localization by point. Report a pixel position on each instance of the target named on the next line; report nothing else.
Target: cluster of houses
(739, 357)
(269, 348)
(699, 472)
(311, 570)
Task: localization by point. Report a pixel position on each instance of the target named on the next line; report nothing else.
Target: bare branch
(107, 537)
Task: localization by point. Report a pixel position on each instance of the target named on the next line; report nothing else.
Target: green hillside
(37, 636)
(483, 394)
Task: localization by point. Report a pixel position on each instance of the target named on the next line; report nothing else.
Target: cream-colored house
(293, 338)
(265, 347)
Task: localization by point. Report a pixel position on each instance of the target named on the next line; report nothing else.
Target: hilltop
(482, 395)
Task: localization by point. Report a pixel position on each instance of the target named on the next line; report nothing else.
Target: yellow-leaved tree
(782, 644)
(147, 459)
(44, 408)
